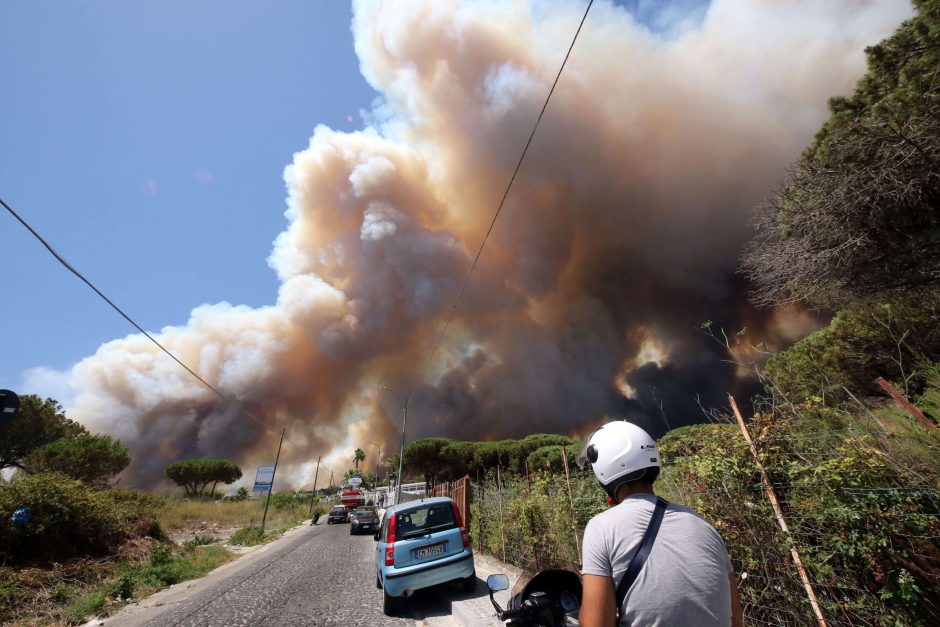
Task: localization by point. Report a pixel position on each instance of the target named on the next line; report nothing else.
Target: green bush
(291, 500)
(201, 541)
(549, 458)
(929, 401)
(247, 536)
(70, 517)
(858, 346)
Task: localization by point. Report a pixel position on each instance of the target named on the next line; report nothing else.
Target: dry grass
(178, 514)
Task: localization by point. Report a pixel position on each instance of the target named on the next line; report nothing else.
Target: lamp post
(378, 456)
(404, 420)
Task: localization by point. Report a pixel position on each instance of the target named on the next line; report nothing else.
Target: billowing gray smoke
(619, 239)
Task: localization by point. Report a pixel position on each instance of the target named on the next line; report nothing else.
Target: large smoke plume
(620, 236)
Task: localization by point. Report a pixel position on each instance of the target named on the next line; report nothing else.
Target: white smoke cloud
(621, 232)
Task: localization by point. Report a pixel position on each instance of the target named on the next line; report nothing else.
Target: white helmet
(619, 452)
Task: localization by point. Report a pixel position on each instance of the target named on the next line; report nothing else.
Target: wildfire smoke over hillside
(620, 236)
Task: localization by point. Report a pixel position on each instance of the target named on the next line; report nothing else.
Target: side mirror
(497, 582)
(376, 536)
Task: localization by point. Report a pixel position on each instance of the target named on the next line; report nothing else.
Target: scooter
(316, 517)
(550, 598)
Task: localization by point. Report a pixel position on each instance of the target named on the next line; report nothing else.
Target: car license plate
(429, 551)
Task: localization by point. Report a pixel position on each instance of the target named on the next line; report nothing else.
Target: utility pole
(273, 475)
(331, 477)
(315, 475)
(379, 455)
(401, 454)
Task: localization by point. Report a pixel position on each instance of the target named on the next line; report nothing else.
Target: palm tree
(358, 456)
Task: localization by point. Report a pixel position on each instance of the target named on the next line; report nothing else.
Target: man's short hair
(644, 475)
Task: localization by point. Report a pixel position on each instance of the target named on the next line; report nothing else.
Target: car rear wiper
(427, 530)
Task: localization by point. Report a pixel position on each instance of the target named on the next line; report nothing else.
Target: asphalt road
(317, 576)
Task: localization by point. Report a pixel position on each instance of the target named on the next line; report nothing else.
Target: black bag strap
(639, 558)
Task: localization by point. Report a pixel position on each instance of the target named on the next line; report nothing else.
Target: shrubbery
(862, 343)
(290, 500)
(90, 458)
(549, 458)
(70, 517)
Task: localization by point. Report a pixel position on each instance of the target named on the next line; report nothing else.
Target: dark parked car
(364, 520)
(338, 515)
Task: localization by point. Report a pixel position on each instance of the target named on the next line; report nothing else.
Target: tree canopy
(38, 422)
(441, 459)
(859, 216)
(424, 458)
(358, 456)
(89, 458)
(863, 342)
(195, 474)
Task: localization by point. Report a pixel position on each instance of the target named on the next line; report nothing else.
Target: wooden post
(772, 496)
(482, 485)
(499, 495)
(574, 525)
(465, 500)
(906, 404)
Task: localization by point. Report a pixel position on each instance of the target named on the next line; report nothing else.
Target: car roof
(410, 505)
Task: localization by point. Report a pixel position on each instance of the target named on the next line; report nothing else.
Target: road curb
(145, 609)
(476, 610)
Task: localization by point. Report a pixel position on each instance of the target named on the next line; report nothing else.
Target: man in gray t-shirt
(687, 578)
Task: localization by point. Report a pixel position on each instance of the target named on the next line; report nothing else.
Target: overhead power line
(101, 294)
(499, 208)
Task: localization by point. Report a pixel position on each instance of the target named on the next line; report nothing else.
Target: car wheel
(469, 584)
(390, 604)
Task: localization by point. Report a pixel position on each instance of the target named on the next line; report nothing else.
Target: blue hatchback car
(422, 544)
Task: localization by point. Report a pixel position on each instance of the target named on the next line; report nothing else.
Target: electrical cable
(499, 208)
(82, 277)
(450, 316)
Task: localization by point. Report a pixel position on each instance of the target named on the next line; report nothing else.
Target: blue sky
(146, 142)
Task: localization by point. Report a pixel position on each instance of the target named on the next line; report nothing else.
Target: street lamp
(404, 420)
(378, 456)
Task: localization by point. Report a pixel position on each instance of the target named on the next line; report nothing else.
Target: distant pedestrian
(382, 500)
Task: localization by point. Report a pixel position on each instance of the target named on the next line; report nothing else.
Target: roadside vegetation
(73, 546)
(853, 233)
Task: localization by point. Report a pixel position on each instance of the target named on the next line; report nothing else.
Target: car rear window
(417, 522)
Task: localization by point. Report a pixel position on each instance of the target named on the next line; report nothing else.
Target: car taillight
(464, 534)
(390, 547)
